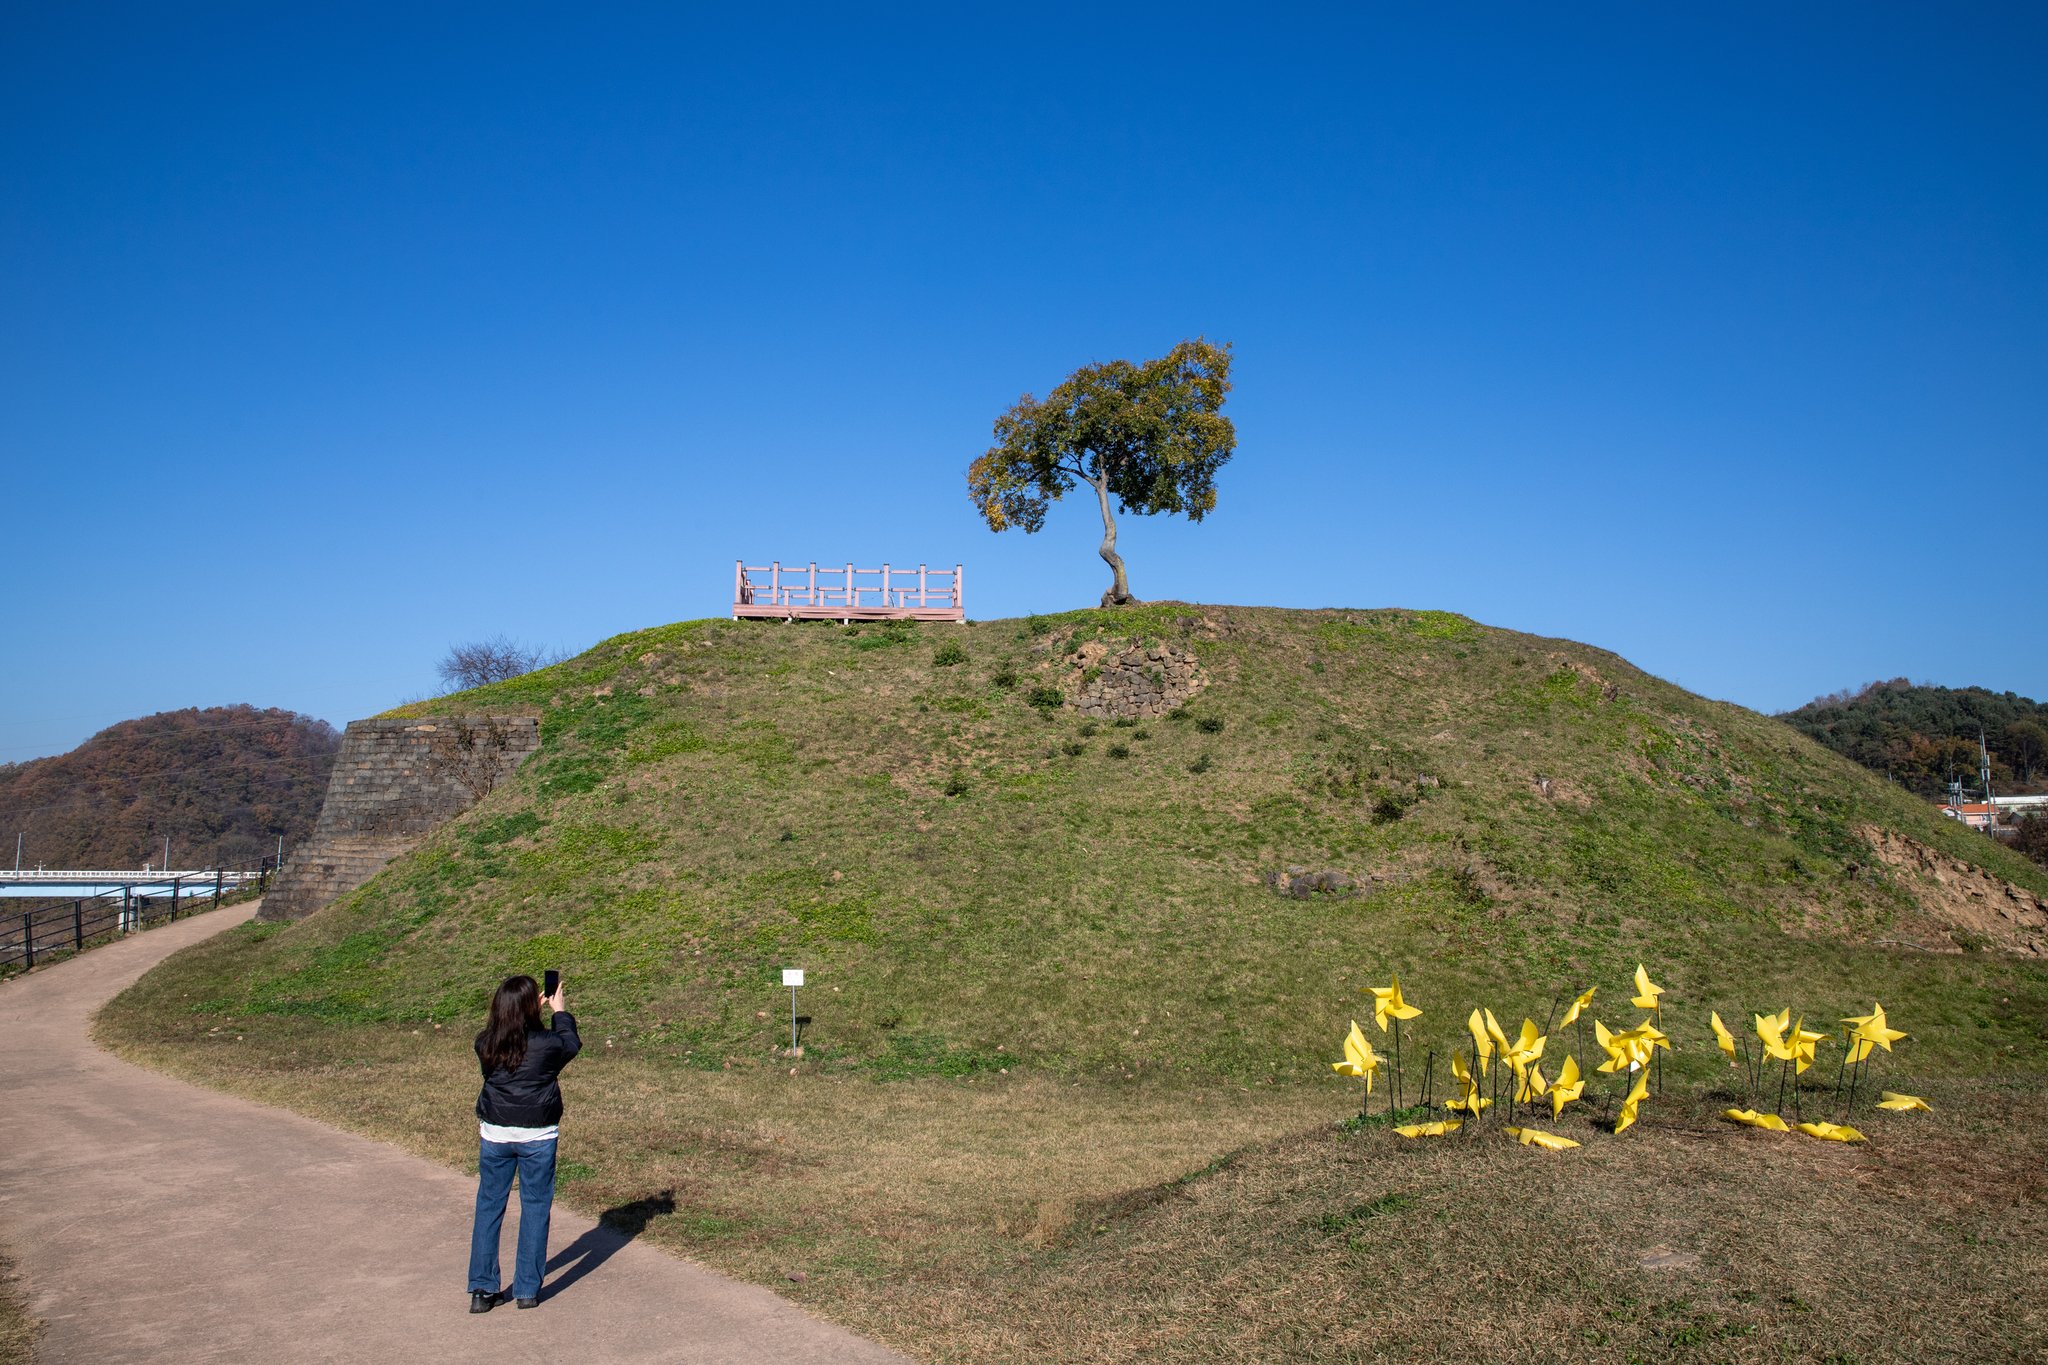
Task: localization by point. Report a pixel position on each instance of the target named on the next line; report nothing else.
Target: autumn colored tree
(1151, 435)
(223, 784)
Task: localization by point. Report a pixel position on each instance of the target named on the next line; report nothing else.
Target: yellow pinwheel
(1528, 1044)
(1870, 1031)
(1493, 1031)
(1530, 1085)
(1638, 1092)
(1388, 1004)
(1646, 1036)
(1359, 1058)
(1435, 1129)
(1894, 1100)
(1568, 1086)
(1647, 990)
(1536, 1137)
(1522, 1054)
(1627, 1051)
(1770, 1031)
(1831, 1132)
(1801, 1043)
(1482, 1045)
(1617, 1055)
(1469, 1100)
(1723, 1039)
(1755, 1120)
(1571, 1015)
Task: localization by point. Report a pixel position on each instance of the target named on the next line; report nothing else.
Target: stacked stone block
(394, 783)
(1141, 682)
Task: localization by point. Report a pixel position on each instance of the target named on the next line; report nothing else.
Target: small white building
(1975, 814)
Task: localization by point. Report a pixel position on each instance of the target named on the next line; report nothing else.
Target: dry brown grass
(1926, 1244)
(18, 1329)
(1023, 1218)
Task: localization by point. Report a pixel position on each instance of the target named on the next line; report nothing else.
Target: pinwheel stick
(1428, 1077)
(1397, 1061)
(1657, 1054)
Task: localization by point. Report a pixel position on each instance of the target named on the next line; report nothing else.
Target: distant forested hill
(1920, 734)
(224, 783)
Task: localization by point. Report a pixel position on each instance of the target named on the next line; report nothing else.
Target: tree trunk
(1119, 591)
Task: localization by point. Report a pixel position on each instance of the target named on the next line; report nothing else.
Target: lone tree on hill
(1152, 435)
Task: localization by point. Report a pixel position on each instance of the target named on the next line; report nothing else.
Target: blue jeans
(495, 1164)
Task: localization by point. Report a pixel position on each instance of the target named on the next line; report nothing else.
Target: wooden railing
(792, 592)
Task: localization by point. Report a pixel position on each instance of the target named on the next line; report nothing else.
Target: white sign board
(792, 976)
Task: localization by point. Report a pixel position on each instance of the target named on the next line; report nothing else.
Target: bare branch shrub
(488, 661)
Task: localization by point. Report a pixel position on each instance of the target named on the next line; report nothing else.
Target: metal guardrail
(149, 875)
(33, 935)
(66, 884)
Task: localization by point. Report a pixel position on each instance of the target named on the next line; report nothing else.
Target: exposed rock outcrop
(1977, 908)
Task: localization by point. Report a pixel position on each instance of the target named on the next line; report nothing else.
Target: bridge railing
(128, 876)
(30, 936)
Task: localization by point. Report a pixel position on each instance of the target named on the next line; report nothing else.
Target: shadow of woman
(615, 1227)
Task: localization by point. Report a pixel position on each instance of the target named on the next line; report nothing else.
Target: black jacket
(527, 1096)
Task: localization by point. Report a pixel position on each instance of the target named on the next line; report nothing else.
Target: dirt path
(154, 1221)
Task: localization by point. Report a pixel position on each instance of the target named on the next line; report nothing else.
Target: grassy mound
(976, 882)
(1049, 965)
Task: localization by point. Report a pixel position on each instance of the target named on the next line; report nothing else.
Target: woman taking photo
(517, 1117)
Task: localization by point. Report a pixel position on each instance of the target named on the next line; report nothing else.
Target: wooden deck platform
(806, 592)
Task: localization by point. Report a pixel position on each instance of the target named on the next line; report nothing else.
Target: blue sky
(329, 336)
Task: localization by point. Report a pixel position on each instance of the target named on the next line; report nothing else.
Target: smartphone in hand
(551, 981)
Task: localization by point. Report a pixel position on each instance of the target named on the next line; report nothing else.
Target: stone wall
(394, 783)
(1136, 683)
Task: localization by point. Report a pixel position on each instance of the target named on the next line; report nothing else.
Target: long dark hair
(514, 1010)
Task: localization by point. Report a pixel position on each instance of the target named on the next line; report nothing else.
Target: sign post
(792, 977)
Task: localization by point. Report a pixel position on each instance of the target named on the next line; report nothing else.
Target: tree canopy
(1922, 735)
(1151, 435)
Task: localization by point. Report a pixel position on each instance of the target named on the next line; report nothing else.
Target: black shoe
(480, 1302)
(528, 1303)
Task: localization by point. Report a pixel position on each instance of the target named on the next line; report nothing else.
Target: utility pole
(17, 853)
(167, 853)
(1984, 772)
